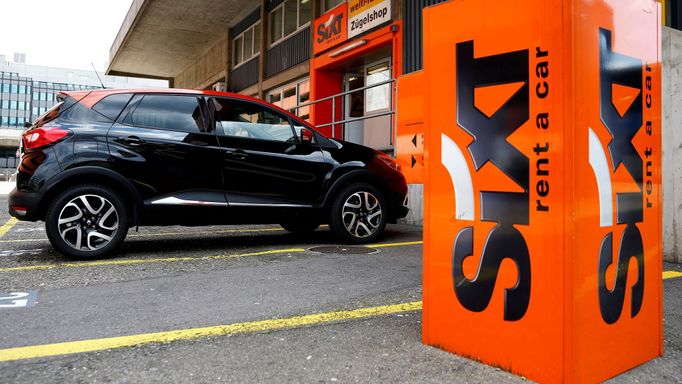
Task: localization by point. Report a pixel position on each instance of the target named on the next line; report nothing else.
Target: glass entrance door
(375, 132)
(354, 108)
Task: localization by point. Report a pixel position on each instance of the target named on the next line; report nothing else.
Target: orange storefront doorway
(360, 72)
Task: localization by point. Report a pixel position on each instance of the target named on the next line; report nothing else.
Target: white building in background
(27, 91)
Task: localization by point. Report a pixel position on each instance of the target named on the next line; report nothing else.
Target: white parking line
(15, 300)
(21, 252)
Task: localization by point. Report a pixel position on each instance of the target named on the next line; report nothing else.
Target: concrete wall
(9, 138)
(415, 201)
(672, 145)
(206, 70)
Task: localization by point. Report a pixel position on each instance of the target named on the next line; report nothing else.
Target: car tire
(87, 222)
(358, 214)
(300, 227)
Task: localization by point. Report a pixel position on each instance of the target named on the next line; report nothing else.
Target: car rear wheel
(358, 214)
(87, 222)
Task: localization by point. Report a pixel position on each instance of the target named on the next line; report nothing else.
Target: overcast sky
(61, 33)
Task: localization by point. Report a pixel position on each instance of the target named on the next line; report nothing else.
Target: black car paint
(265, 182)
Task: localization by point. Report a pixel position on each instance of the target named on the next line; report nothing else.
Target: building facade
(287, 52)
(347, 56)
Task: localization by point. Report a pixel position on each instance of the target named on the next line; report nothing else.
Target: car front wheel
(358, 214)
(87, 222)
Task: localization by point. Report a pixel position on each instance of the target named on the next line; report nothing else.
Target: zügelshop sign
(364, 15)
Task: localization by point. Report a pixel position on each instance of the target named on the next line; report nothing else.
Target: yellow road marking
(59, 349)
(399, 244)
(7, 226)
(177, 259)
(148, 261)
(160, 234)
(671, 274)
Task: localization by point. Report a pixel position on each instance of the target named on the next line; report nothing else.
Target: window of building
(13, 104)
(14, 88)
(329, 4)
(378, 98)
(36, 95)
(673, 14)
(172, 112)
(291, 96)
(241, 119)
(22, 89)
(246, 45)
(21, 106)
(5, 87)
(288, 18)
(5, 104)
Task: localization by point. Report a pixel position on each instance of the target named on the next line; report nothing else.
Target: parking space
(236, 304)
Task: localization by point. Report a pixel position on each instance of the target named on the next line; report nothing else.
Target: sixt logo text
(330, 29)
(507, 209)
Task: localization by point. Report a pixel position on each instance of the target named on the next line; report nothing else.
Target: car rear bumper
(24, 205)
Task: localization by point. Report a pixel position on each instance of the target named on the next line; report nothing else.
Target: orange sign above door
(331, 29)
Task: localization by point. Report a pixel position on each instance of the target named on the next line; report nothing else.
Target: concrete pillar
(228, 59)
(672, 144)
(264, 38)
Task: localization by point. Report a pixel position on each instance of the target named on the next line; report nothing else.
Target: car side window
(111, 106)
(172, 112)
(236, 118)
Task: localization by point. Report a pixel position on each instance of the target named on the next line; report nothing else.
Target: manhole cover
(344, 250)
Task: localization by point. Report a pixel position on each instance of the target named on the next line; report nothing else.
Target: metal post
(333, 117)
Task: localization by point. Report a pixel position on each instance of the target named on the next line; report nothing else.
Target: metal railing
(391, 111)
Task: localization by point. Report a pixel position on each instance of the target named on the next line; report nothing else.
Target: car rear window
(50, 115)
(111, 106)
(78, 113)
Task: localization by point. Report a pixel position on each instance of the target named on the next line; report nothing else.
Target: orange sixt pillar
(543, 185)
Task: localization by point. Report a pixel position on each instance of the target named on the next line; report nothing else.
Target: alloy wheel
(88, 222)
(361, 214)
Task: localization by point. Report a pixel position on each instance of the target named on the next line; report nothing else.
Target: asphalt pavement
(237, 304)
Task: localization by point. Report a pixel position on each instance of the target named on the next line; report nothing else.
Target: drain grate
(344, 250)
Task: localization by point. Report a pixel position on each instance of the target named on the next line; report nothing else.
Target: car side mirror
(306, 136)
(28, 124)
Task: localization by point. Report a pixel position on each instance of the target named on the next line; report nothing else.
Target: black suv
(100, 162)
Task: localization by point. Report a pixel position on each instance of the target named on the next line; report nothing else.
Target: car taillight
(390, 161)
(44, 136)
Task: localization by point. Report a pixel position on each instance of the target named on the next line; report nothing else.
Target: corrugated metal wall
(413, 57)
(244, 75)
(270, 4)
(288, 53)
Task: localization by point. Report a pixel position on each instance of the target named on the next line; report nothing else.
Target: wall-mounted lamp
(347, 48)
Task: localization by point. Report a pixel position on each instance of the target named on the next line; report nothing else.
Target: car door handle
(237, 155)
(131, 140)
